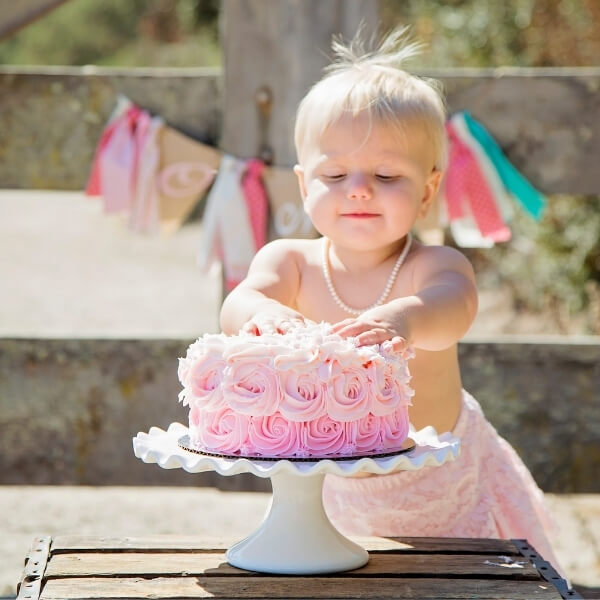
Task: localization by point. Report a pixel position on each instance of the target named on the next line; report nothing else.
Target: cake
(308, 393)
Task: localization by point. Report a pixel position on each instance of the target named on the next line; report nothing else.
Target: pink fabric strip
(465, 182)
(256, 201)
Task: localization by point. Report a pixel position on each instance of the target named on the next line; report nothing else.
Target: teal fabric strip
(531, 199)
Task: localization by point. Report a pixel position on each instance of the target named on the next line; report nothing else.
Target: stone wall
(51, 117)
(69, 409)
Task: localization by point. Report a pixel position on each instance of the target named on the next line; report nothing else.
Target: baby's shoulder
(300, 251)
(301, 248)
(440, 258)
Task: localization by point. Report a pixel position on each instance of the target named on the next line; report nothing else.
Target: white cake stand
(296, 536)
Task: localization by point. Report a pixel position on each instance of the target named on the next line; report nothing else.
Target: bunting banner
(157, 176)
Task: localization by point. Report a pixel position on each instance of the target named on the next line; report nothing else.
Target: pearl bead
(386, 290)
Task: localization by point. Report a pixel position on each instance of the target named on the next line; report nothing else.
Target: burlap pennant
(186, 171)
(288, 219)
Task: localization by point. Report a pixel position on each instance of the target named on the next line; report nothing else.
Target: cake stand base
(296, 536)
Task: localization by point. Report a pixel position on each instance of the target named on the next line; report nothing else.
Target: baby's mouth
(360, 215)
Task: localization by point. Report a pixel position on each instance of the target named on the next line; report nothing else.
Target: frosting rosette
(303, 389)
(303, 395)
(200, 372)
(394, 429)
(250, 385)
(204, 381)
(223, 431)
(348, 392)
(365, 434)
(388, 391)
(274, 435)
(325, 436)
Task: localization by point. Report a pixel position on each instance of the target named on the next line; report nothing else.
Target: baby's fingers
(250, 327)
(287, 324)
(342, 324)
(398, 344)
(373, 336)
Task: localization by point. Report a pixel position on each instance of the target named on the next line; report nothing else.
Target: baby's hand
(374, 327)
(277, 320)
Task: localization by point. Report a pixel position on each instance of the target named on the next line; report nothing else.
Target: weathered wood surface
(166, 543)
(171, 567)
(109, 564)
(283, 46)
(277, 588)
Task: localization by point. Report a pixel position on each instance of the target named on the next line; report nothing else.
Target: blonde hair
(372, 81)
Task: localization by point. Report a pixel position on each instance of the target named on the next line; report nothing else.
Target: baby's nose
(359, 188)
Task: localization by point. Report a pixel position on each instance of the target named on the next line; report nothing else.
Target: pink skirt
(487, 492)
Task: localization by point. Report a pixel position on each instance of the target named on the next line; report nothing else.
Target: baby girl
(371, 149)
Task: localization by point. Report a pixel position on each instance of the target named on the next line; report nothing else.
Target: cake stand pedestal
(296, 536)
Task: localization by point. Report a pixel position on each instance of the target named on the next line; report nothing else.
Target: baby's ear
(432, 187)
(300, 174)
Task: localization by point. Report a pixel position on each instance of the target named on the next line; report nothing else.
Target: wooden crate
(189, 567)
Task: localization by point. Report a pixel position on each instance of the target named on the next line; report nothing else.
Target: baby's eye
(334, 177)
(386, 178)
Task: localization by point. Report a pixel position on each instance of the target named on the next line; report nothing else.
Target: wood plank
(296, 587)
(116, 564)
(191, 543)
(145, 543)
(262, 43)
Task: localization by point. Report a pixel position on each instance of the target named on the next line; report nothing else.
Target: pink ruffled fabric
(486, 493)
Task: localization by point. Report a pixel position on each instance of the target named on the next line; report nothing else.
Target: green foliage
(552, 266)
(113, 32)
(485, 33)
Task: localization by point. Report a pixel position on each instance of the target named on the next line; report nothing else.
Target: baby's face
(364, 186)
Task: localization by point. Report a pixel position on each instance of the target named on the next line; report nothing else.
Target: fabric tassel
(227, 234)
(143, 216)
(256, 201)
(467, 191)
(92, 187)
(531, 199)
(488, 169)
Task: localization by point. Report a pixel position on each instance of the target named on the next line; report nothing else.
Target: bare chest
(316, 301)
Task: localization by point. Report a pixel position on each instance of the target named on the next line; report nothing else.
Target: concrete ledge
(69, 408)
(543, 398)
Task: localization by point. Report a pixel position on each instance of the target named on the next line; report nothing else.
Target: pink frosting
(394, 429)
(304, 393)
(205, 377)
(365, 434)
(326, 436)
(274, 435)
(388, 393)
(251, 386)
(349, 396)
(223, 431)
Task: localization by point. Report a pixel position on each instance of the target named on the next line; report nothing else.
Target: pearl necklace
(386, 290)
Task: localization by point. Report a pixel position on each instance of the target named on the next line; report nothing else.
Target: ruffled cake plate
(296, 536)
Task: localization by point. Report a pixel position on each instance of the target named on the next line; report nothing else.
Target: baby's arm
(437, 314)
(262, 302)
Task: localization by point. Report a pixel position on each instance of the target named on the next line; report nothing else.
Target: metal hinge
(546, 570)
(35, 565)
